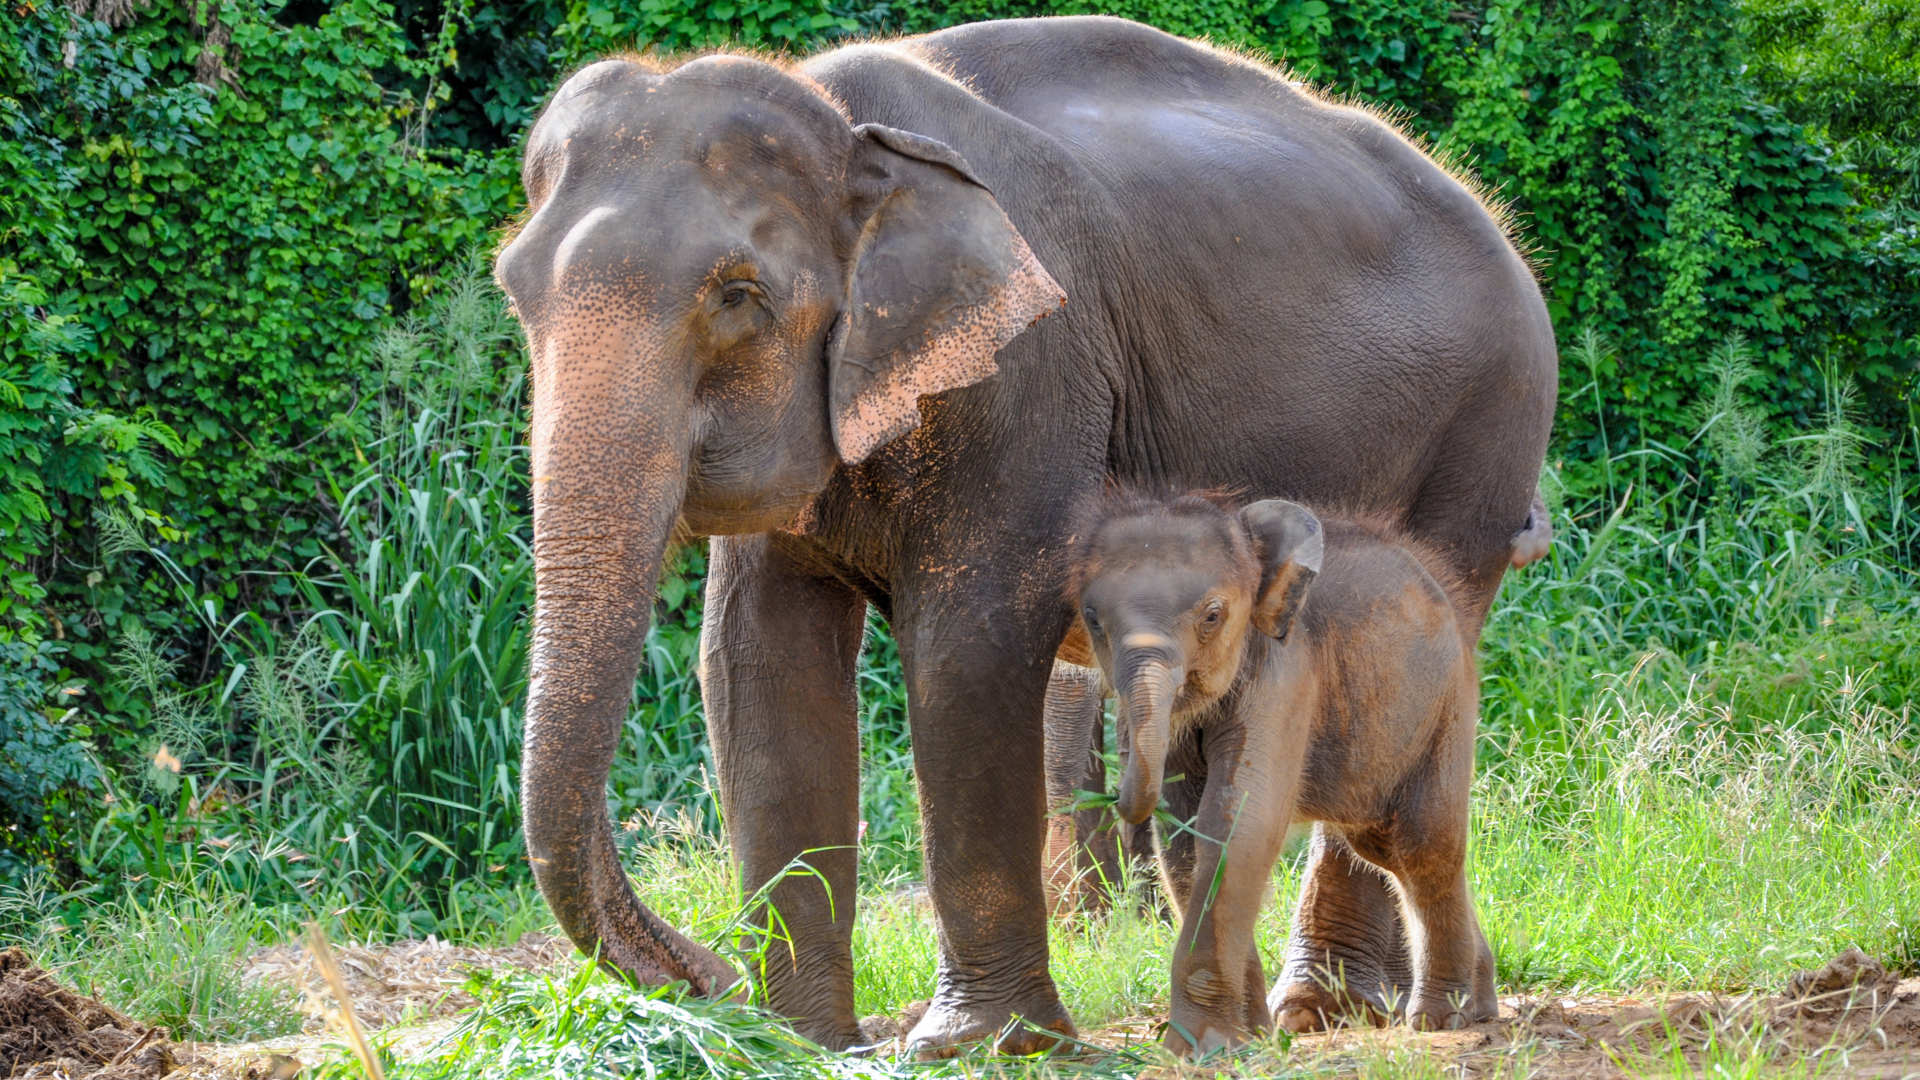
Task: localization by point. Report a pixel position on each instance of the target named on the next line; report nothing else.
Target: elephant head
(728, 291)
(1169, 593)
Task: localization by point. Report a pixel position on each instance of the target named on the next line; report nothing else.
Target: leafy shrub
(215, 251)
(43, 759)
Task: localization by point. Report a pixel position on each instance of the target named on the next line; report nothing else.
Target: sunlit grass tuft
(171, 958)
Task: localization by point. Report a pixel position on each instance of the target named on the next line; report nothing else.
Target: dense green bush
(43, 762)
(215, 253)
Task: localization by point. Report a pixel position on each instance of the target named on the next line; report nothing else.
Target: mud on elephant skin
(1291, 671)
(788, 306)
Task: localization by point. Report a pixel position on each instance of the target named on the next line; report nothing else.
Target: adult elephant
(779, 305)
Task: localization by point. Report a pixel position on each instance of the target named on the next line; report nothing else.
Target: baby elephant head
(1167, 590)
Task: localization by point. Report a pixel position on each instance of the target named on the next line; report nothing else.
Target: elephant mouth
(726, 500)
(781, 512)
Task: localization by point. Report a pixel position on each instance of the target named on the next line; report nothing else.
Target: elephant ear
(940, 280)
(1290, 545)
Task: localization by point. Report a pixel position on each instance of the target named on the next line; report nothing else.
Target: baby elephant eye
(1212, 616)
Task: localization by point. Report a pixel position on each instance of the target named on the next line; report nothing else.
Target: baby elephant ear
(940, 281)
(1289, 544)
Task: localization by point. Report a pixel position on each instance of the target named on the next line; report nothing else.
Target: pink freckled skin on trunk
(608, 482)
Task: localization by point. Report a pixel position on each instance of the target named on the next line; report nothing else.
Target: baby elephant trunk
(1147, 704)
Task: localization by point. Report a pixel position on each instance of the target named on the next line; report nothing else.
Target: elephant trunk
(608, 478)
(1146, 702)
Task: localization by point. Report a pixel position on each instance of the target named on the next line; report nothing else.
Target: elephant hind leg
(1347, 957)
(1083, 846)
(1426, 851)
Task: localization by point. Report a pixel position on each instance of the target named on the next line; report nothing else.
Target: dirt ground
(409, 993)
(50, 1032)
(1849, 1018)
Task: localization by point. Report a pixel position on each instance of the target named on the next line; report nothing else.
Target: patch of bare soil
(405, 995)
(1850, 1017)
(409, 980)
(48, 1032)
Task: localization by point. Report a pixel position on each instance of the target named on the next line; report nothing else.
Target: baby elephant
(1287, 672)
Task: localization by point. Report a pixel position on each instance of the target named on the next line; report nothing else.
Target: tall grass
(421, 606)
(1665, 850)
(1735, 565)
(169, 958)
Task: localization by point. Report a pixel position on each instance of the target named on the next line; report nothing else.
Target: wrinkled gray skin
(790, 323)
(1088, 849)
(1288, 674)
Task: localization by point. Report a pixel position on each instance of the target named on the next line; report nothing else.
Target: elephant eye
(737, 292)
(1092, 620)
(1210, 618)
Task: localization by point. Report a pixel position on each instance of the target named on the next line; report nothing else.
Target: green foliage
(209, 257)
(1851, 68)
(593, 27)
(54, 449)
(44, 762)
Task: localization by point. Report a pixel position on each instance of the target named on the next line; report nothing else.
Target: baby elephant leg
(1347, 954)
(1453, 970)
(1453, 967)
(1219, 997)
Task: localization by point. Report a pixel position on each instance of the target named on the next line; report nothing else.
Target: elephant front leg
(974, 705)
(1218, 986)
(778, 651)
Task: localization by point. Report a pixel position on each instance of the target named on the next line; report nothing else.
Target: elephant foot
(1453, 1010)
(1316, 1002)
(951, 1025)
(832, 1035)
(1201, 1038)
(1212, 1041)
(1438, 1016)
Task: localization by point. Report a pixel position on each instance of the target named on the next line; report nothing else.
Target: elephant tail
(1532, 542)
